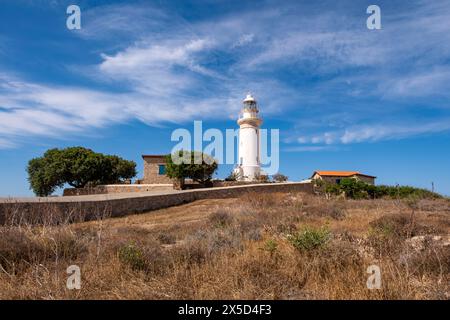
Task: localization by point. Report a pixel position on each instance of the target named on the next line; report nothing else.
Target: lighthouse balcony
(248, 116)
(253, 121)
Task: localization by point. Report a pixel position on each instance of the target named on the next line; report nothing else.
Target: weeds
(310, 238)
(228, 249)
(220, 219)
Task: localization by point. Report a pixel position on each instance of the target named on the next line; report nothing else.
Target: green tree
(78, 167)
(190, 164)
(43, 176)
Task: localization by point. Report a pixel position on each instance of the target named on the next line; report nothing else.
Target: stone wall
(218, 183)
(151, 170)
(85, 208)
(116, 188)
(366, 179)
(332, 179)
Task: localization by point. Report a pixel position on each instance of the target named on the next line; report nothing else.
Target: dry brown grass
(222, 249)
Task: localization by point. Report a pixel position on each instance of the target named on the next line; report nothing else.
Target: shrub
(17, 248)
(203, 245)
(278, 177)
(310, 238)
(220, 219)
(133, 256)
(262, 178)
(334, 209)
(270, 246)
(357, 189)
(166, 238)
(400, 225)
(20, 248)
(258, 200)
(149, 258)
(331, 188)
(432, 259)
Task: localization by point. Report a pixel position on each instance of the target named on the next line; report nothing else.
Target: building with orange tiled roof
(337, 176)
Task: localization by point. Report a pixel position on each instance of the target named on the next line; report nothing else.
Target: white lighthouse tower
(249, 121)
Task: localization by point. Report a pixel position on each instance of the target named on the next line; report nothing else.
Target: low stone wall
(217, 183)
(85, 208)
(116, 188)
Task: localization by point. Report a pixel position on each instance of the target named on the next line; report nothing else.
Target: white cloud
(120, 21)
(311, 148)
(6, 144)
(171, 70)
(243, 40)
(376, 132)
(418, 84)
(385, 132)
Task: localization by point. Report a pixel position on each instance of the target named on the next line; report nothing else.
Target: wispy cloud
(325, 74)
(6, 144)
(121, 22)
(311, 148)
(375, 132)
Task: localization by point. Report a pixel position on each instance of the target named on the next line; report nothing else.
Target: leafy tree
(42, 178)
(190, 164)
(78, 167)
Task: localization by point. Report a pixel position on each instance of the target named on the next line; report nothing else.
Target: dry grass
(223, 249)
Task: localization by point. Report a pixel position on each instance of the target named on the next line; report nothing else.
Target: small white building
(249, 167)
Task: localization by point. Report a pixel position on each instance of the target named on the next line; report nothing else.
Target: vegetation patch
(357, 189)
(220, 219)
(310, 238)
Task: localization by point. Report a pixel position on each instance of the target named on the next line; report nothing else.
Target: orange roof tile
(341, 173)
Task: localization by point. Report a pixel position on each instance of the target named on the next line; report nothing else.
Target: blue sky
(344, 97)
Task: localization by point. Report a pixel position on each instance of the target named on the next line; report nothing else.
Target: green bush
(310, 238)
(133, 256)
(357, 189)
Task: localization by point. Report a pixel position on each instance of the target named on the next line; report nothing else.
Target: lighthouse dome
(249, 99)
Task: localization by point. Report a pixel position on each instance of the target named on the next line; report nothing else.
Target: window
(338, 181)
(161, 169)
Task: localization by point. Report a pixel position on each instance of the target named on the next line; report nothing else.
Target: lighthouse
(249, 166)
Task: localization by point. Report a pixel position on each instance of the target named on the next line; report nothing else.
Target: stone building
(337, 176)
(155, 170)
